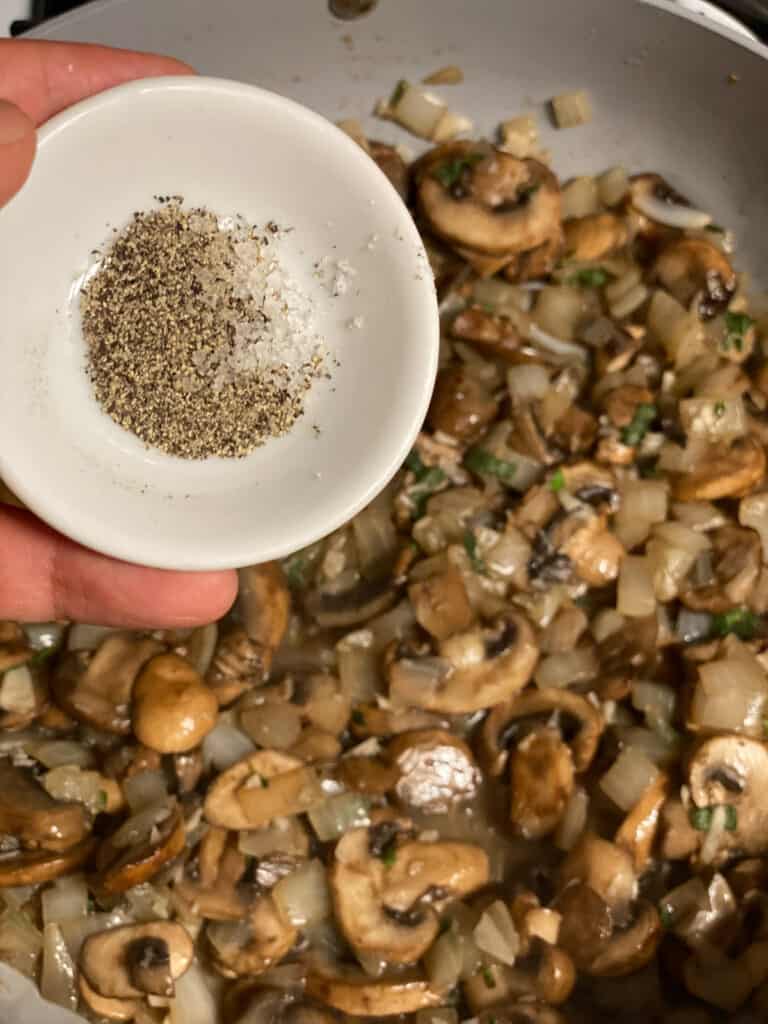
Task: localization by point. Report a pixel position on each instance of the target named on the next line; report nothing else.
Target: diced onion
(338, 814)
(17, 691)
(613, 185)
(606, 623)
(635, 594)
(499, 295)
(303, 895)
(693, 626)
(65, 900)
(280, 837)
(558, 310)
(662, 750)
(74, 784)
(573, 821)
(623, 285)
(450, 125)
(672, 215)
(144, 789)
(643, 504)
(544, 924)
(416, 110)
(138, 827)
(391, 625)
(679, 330)
(194, 1000)
(55, 753)
(580, 198)
(655, 700)
(629, 303)
(598, 332)
(508, 555)
(566, 350)
(571, 109)
(224, 745)
(519, 136)
(527, 382)
(721, 420)
(43, 636)
(272, 724)
(358, 666)
(567, 668)
(731, 695)
(628, 778)
(57, 978)
(443, 961)
(699, 515)
(753, 512)
(496, 935)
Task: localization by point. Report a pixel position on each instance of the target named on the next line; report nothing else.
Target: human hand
(44, 576)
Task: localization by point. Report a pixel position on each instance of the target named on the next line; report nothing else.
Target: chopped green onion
(470, 546)
(701, 817)
(102, 801)
(397, 92)
(389, 854)
(296, 572)
(736, 327)
(557, 481)
(415, 464)
(449, 173)
(264, 782)
(719, 409)
(488, 978)
(742, 622)
(590, 277)
(644, 416)
(481, 461)
(666, 915)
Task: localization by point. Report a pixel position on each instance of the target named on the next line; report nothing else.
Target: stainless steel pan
(669, 93)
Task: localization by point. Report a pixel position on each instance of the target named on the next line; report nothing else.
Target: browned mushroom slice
(41, 866)
(605, 868)
(632, 947)
(378, 886)
(736, 563)
(265, 605)
(110, 1009)
(213, 892)
(541, 781)
(127, 962)
(172, 708)
(594, 236)
(124, 859)
(364, 600)
(546, 976)
(498, 206)
(253, 945)
(654, 187)
(354, 993)
(638, 830)
(96, 688)
(539, 262)
(688, 267)
(491, 333)
(503, 722)
(462, 406)
(441, 604)
(473, 670)
(35, 818)
(584, 539)
(728, 475)
(392, 164)
(371, 720)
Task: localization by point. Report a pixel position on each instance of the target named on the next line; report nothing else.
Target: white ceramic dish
(235, 149)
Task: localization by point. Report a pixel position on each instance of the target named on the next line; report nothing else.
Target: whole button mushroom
(173, 709)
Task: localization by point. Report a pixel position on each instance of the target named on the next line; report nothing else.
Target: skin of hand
(44, 576)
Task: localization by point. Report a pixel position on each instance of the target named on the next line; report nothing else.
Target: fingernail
(14, 125)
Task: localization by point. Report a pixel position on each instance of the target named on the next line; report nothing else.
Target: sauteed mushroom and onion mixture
(494, 751)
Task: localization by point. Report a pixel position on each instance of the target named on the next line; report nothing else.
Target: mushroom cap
(172, 708)
(541, 781)
(120, 868)
(106, 958)
(686, 266)
(38, 866)
(729, 475)
(436, 770)
(35, 818)
(356, 994)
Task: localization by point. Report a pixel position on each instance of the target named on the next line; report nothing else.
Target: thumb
(17, 149)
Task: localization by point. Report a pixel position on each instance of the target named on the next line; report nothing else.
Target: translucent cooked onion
(71, 783)
(375, 535)
(224, 745)
(698, 515)
(567, 668)
(496, 935)
(635, 594)
(498, 295)
(57, 977)
(565, 350)
(444, 960)
(613, 185)
(138, 828)
(145, 789)
(273, 724)
(17, 691)
(663, 750)
(56, 753)
(558, 310)
(194, 1001)
(358, 666)
(44, 636)
(65, 900)
(629, 303)
(723, 419)
(671, 553)
(338, 814)
(303, 895)
(508, 555)
(527, 382)
(606, 623)
(654, 699)
(75, 932)
(201, 646)
(731, 695)
(580, 198)
(628, 778)
(416, 110)
(643, 504)
(671, 214)
(693, 626)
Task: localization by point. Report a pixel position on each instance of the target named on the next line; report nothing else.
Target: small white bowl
(235, 149)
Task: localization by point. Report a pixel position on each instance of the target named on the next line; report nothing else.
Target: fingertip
(18, 141)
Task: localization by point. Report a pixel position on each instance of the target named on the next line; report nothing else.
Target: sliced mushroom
(265, 605)
(111, 1009)
(492, 333)
(263, 786)
(546, 976)
(96, 688)
(114, 961)
(729, 475)
(371, 720)
(462, 406)
(172, 708)
(357, 994)
(499, 206)
(213, 892)
(585, 540)
(736, 558)
(632, 947)
(566, 707)
(688, 267)
(539, 262)
(36, 867)
(238, 664)
(35, 818)
(638, 830)
(474, 670)
(378, 896)
(340, 610)
(441, 604)
(606, 869)
(733, 770)
(251, 946)
(541, 781)
(122, 864)
(594, 236)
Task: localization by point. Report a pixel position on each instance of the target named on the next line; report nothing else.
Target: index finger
(44, 78)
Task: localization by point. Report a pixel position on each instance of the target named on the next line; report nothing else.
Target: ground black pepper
(196, 340)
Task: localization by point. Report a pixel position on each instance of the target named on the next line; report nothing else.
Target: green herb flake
(666, 916)
(488, 978)
(742, 622)
(398, 92)
(101, 802)
(701, 817)
(719, 409)
(736, 327)
(644, 416)
(482, 462)
(590, 277)
(649, 470)
(557, 481)
(358, 717)
(449, 173)
(425, 488)
(470, 546)
(295, 570)
(264, 783)
(40, 657)
(389, 854)
(415, 464)
(716, 229)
